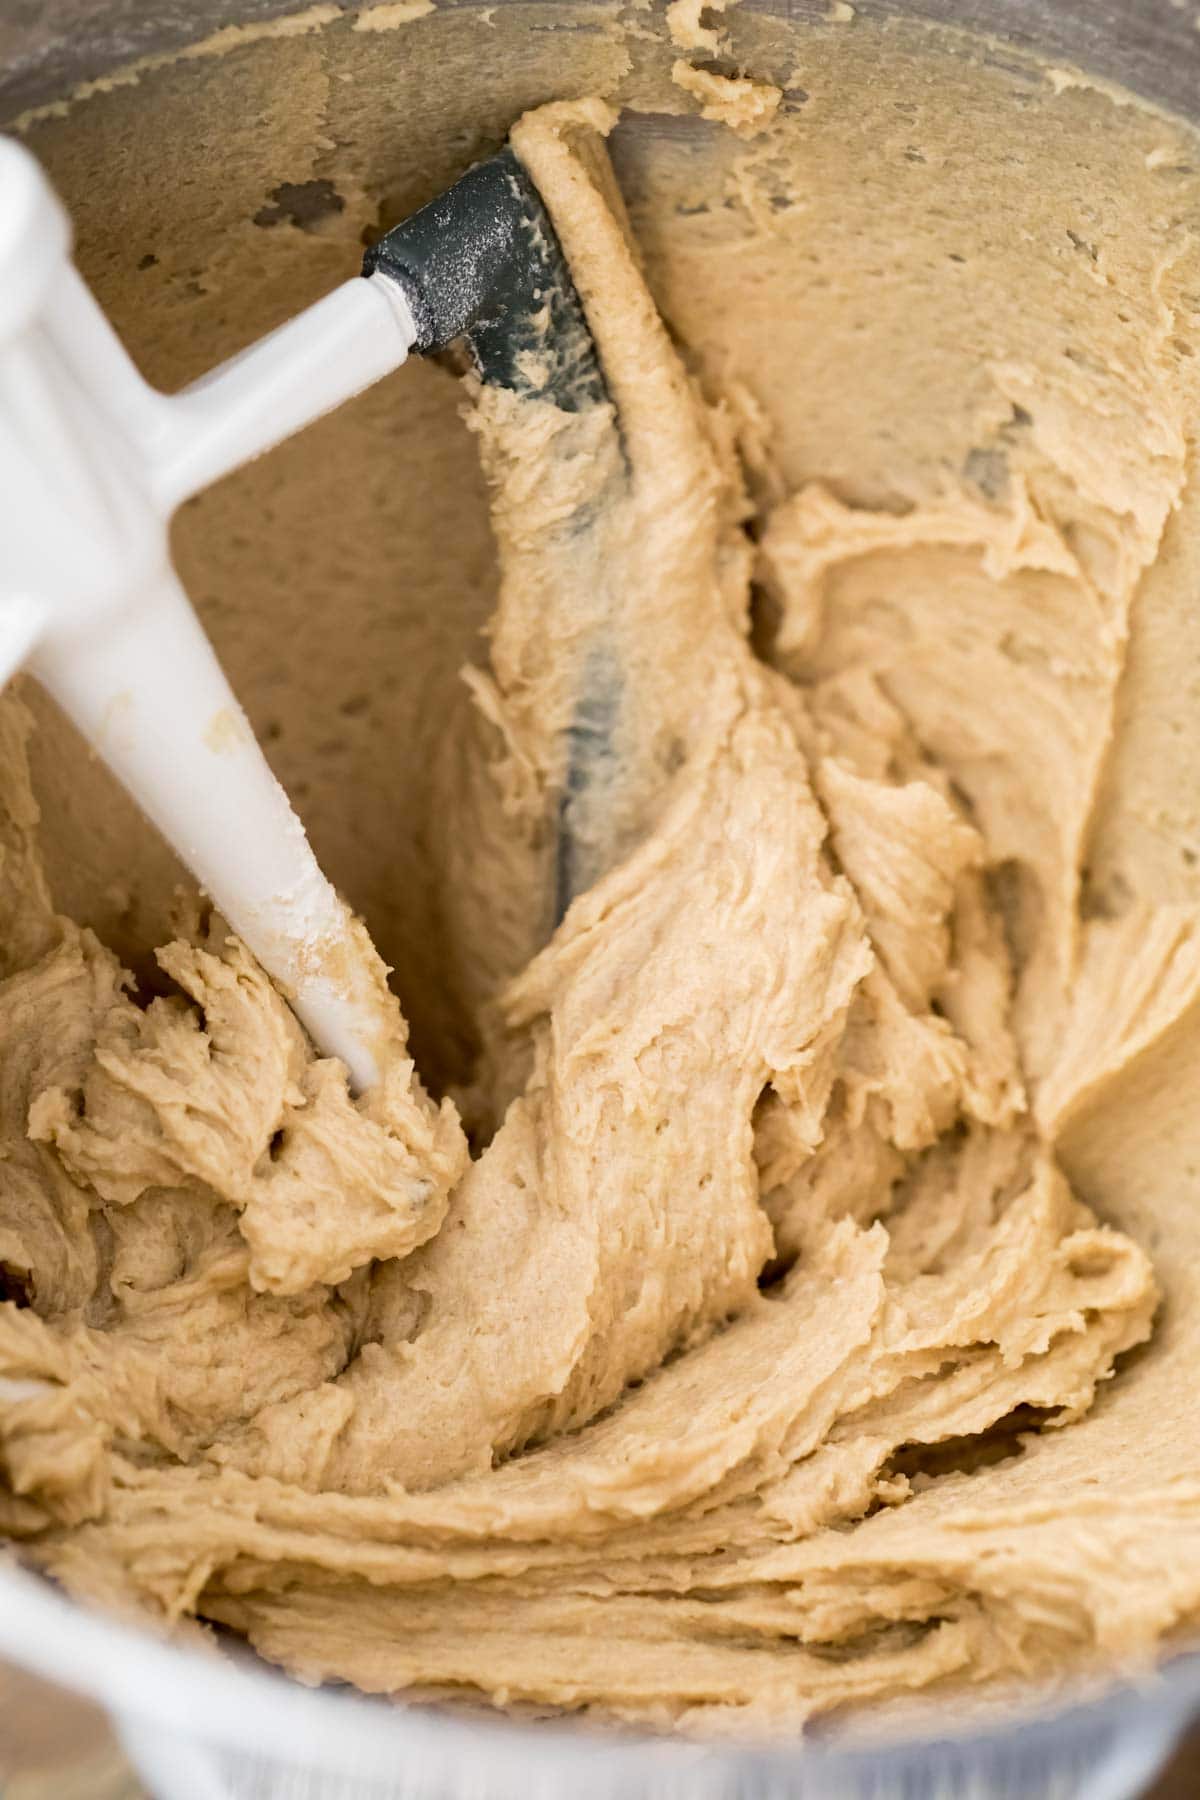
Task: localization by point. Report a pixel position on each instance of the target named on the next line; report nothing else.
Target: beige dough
(764, 1356)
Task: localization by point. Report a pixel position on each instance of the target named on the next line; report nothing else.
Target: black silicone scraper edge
(482, 263)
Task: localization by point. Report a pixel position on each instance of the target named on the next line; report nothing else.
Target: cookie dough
(759, 1350)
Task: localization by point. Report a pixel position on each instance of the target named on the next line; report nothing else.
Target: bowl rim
(1118, 1738)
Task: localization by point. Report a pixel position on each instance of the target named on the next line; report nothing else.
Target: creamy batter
(758, 1347)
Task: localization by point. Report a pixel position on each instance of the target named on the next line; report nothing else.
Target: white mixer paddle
(92, 463)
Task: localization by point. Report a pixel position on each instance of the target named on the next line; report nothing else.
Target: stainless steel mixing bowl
(211, 1729)
(1151, 46)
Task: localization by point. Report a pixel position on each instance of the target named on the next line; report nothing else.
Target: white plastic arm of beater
(92, 461)
(23, 619)
(305, 368)
(147, 691)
